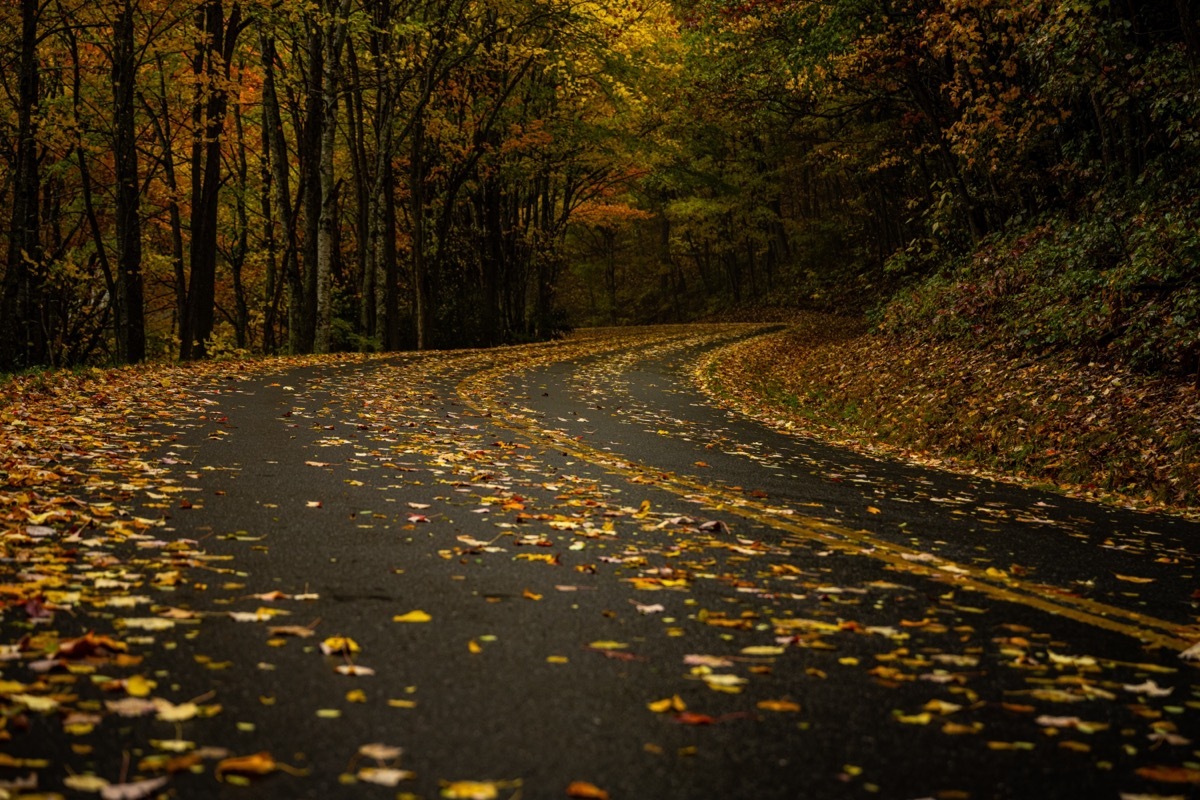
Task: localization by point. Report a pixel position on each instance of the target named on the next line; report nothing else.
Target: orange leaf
(586, 790)
(1170, 774)
(778, 705)
(257, 764)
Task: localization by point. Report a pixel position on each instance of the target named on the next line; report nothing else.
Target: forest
(190, 179)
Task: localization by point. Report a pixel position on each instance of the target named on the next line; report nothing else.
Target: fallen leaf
(1133, 579)
(354, 669)
(380, 751)
(588, 791)
(412, 616)
(674, 703)
(340, 645)
(85, 783)
(133, 791)
(169, 712)
(383, 776)
(936, 706)
(131, 706)
(762, 650)
(778, 705)
(1149, 688)
(1165, 774)
(471, 790)
(716, 662)
(291, 630)
(257, 764)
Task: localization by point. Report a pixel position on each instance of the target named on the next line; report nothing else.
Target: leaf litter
(778, 606)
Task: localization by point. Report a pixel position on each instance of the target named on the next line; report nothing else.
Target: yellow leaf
(916, 719)
(528, 595)
(873, 510)
(1133, 579)
(402, 703)
(335, 645)
(412, 616)
(169, 712)
(356, 696)
(474, 647)
(674, 703)
(941, 707)
(90, 784)
(608, 645)
(138, 686)
(762, 650)
(470, 790)
(36, 702)
(557, 659)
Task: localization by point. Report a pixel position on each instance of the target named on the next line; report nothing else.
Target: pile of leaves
(1085, 429)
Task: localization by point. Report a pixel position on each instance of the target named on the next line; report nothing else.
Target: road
(560, 570)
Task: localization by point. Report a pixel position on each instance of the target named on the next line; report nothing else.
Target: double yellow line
(479, 392)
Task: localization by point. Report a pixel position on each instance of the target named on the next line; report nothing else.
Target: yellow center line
(478, 392)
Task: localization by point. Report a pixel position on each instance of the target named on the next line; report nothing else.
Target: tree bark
(335, 37)
(21, 341)
(211, 65)
(273, 133)
(130, 305)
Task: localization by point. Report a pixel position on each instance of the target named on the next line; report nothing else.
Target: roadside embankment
(1083, 429)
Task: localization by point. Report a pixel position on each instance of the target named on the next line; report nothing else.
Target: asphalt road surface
(561, 571)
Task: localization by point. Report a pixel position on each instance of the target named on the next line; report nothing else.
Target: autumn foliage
(198, 178)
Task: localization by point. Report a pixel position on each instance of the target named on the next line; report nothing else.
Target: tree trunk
(212, 60)
(21, 342)
(237, 257)
(391, 269)
(310, 183)
(273, 132)
(327, 229)
(422, 297)
(130, 305)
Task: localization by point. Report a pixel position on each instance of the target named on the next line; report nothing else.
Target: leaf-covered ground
(552, 571)
(1086, 429)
